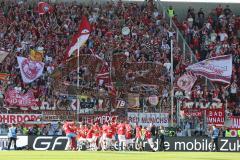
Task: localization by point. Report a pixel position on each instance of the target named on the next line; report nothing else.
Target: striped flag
(4, 76)
(186, 81)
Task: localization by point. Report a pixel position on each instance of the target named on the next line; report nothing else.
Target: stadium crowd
(213, 35)
(147, 43)
(51, 33)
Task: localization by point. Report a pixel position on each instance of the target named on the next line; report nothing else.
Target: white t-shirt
(213, 37)
(234, 88)
(223, 36)
(165, 46)
(155, 14)
(50, 69)
(168, 66)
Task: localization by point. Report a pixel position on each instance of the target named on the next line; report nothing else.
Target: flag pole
(78, 67)
(172, 88)
(78, 101)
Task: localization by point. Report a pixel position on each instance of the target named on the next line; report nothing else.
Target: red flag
(79, 39)
(186, 81)
(103, 77)
(44, 8)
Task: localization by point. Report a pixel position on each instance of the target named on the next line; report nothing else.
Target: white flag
(215, 69)
(186, 81)
(30, 70)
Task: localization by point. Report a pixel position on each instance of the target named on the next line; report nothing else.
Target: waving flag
(30, 70)
(103, 77)
(44, 8)
(215, 69)
(80, 38)
(186, 81)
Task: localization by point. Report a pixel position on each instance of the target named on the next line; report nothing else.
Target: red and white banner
(235, 122)
(215, 117)
(98, 118)
(44, 8)
(18, 118)
(186, 81)
(30, 70)
(14, 98)
(146, 119)
(215, 69)
(80, 38)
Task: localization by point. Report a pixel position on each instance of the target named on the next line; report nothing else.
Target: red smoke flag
(186, 81)
(44, 8)
(80, 38)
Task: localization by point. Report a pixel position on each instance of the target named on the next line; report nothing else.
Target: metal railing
(186, 50)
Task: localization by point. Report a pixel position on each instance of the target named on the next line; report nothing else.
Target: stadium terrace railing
(186, 50)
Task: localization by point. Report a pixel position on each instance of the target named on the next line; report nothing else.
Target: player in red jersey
(96, 135)
(148, 137)
(138, 136)
(128, 135)
(89, 137)
(110, 136)
(70, 130)
(114, 129)
(81, 134)
(121, 135)
(103, 139)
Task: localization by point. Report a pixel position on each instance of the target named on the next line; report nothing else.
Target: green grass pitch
(84, 155)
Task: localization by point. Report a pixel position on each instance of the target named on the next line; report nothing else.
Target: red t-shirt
(104, 129)
(84, 132)
(148, 134)
(121, 129)
(128, 131)
(68, 128)
(96, 130)
(109, 132)
(90, 133)
(114, 128)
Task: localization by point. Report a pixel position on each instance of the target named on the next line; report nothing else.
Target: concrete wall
(180, 7)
